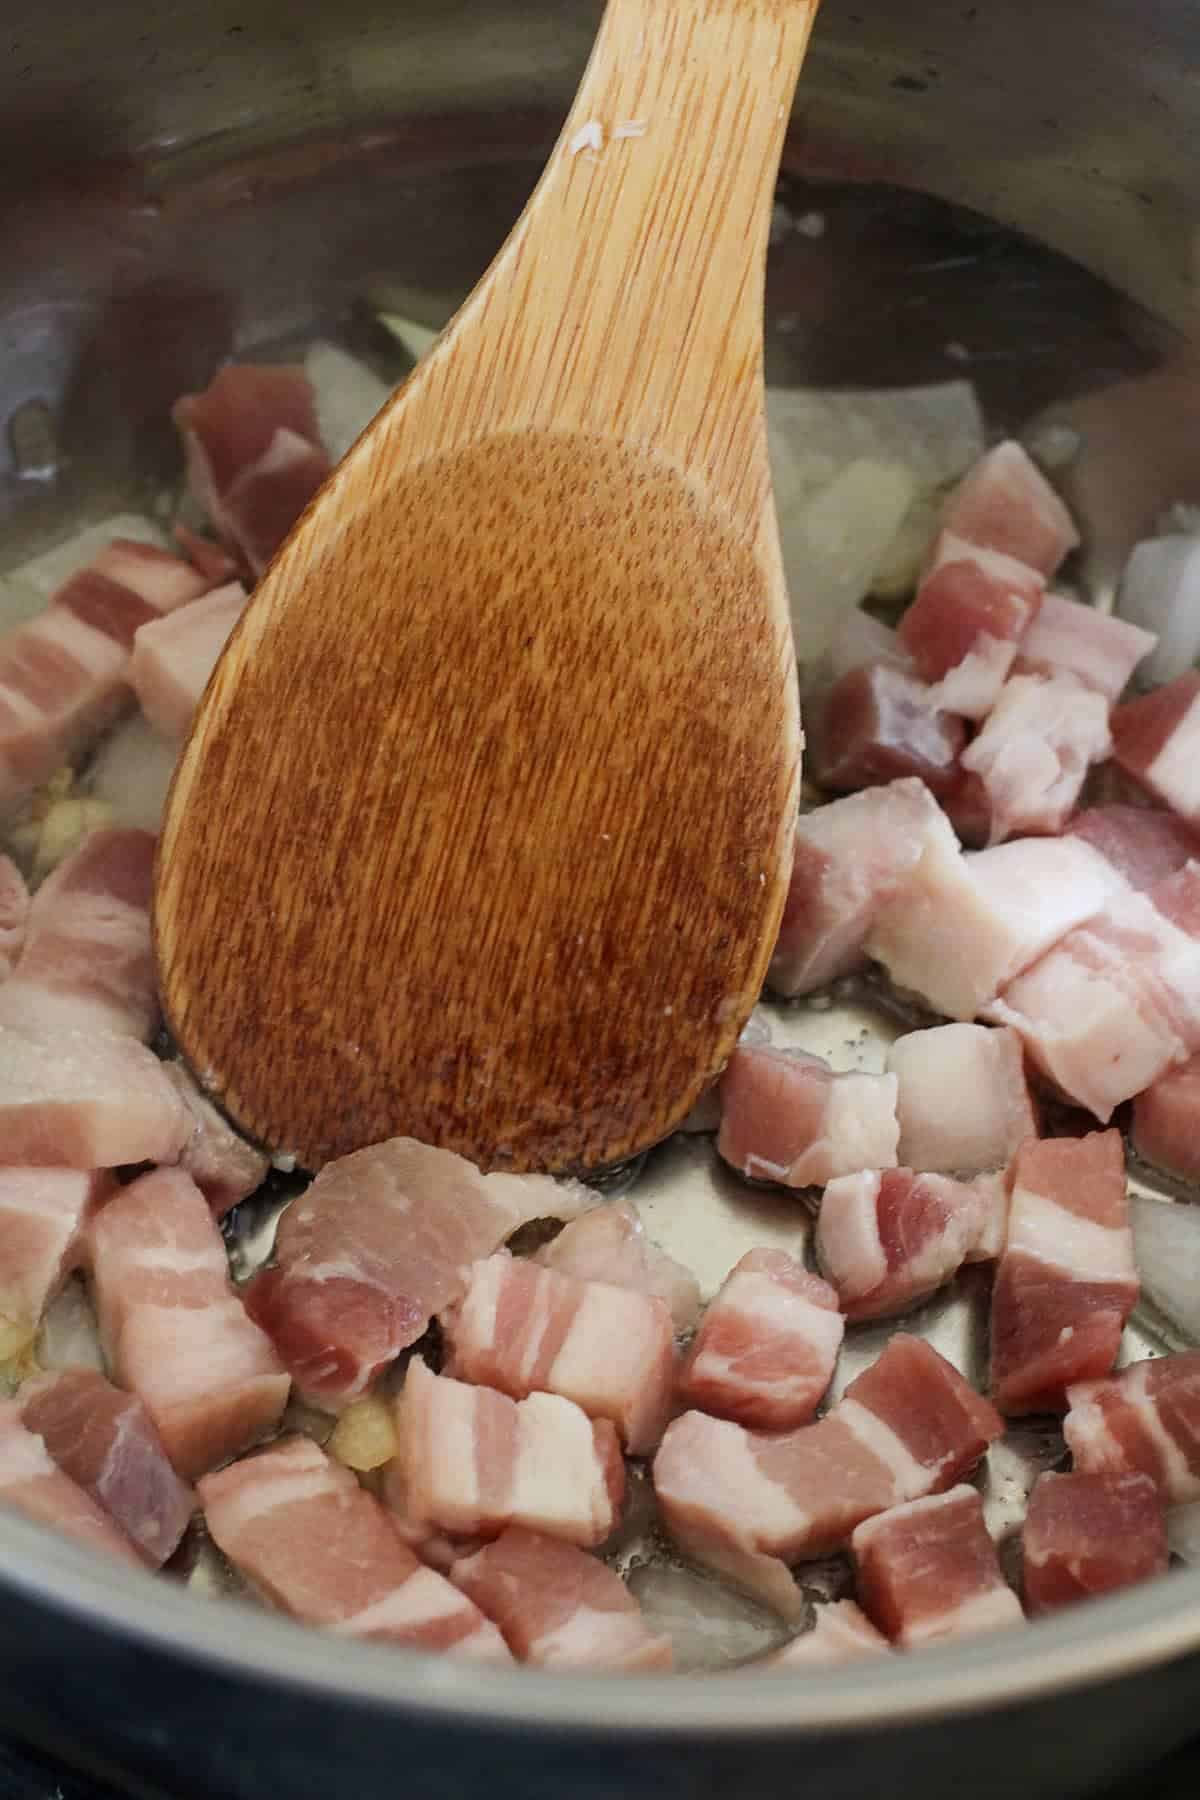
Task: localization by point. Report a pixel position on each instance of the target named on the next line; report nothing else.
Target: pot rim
(1083, 1646)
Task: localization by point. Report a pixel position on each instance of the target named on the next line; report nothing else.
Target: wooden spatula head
(483, 830)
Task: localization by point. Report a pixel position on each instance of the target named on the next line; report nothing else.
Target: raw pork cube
(1006, 503)
(86, 1101)
(1098, 649)
(476, 1461)
(105, 1440)
(558, 1607)
(860, 638)
(787, 1117)
(1156, 739)
(254, 454)
(1117, 1002)
(1091, 1534)
(928, 1571)
(525, 1329)
(383, 1239)
(221, 1163)
(609, 1243)
(962, 1099)
(849, 859)
(317, 1545)
(33, 1484)
(887, 1240)
(175, 1330)
(766, 1348)
(44, 1215)
(962, 630)
(1066, 1282)
(1146, 1419)
(840, 1633)
(1034, 751)
(174, 657)
(962, 926)
(909, 1425)
(1142, 845)
(1166, 1121)
(878, 724)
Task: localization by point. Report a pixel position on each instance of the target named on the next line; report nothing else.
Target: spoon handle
(628, 300)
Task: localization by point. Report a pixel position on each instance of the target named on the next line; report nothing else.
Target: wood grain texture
(483, 830)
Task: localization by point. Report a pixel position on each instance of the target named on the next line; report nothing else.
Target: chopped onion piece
(710, 1627)
(132, 772)
(833, 543)
(415, 338)
(348, 394)
(1160, 590)
(1166, 1249)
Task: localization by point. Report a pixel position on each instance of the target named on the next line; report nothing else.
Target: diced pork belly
(88, 961)
(849, 859)
(609, 1243)
(476, 1461)
(209, 559)
(860, 638)
(928, 1571)
(105, 1440)
(879, 724)
(1166, 1121)
(43, 1216)
(311, 1540)
(767, 1345)
(992, 1191)
(887, 1239)
(1144, 846)
(1033, 753)
(1006, 504)
(254, 454)
(383, 1239)
(1091, 1534)
(1098, 649)
(83, 1101)
(991, 1113)
(525, 1329)
(33, 1484)
(174, 657)
(1117, 1001)
(62, 672)
(1066, 1282)
(1144, 1420)
(175, 1331)
(840, 1633)
(14, 914)
(221, 1163)
(971, 610)
(961, 926)
(969, 810)
(558, 1607)
(907, 1426)
(789, 1118)
(1156, 739)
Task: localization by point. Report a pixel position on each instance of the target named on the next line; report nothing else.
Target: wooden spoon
(483, 830)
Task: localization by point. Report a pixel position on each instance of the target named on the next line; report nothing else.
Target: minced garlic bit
(630, 128)
(588, 137)
(365, 1437)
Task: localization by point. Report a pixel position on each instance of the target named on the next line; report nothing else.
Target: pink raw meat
(1142, 845)
(1066, 1282)
(1166, 1121)
(767, 1345)
(971, 610)
(1006, 504)
(849, 859)
(1033, 752)
(888, 1239)
(382, 1240)
(1156, 739)
(1145, 1419)
(526, 1329)
(1098, 649)
(789, 1118)
(31, 1483)
(175, 1330)
(880, 723)
(928, 1571)
(1091, 1534)
(476, 1461)
(318, 1546)
(86, 1101)
(174, 657)
(993, 1111)
(609, 1243)
(105, 1440)
(88, 962)
(558, 1607)
(43, 1216)
(221, 1163)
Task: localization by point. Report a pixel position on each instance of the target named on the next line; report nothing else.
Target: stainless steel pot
(177, 182)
